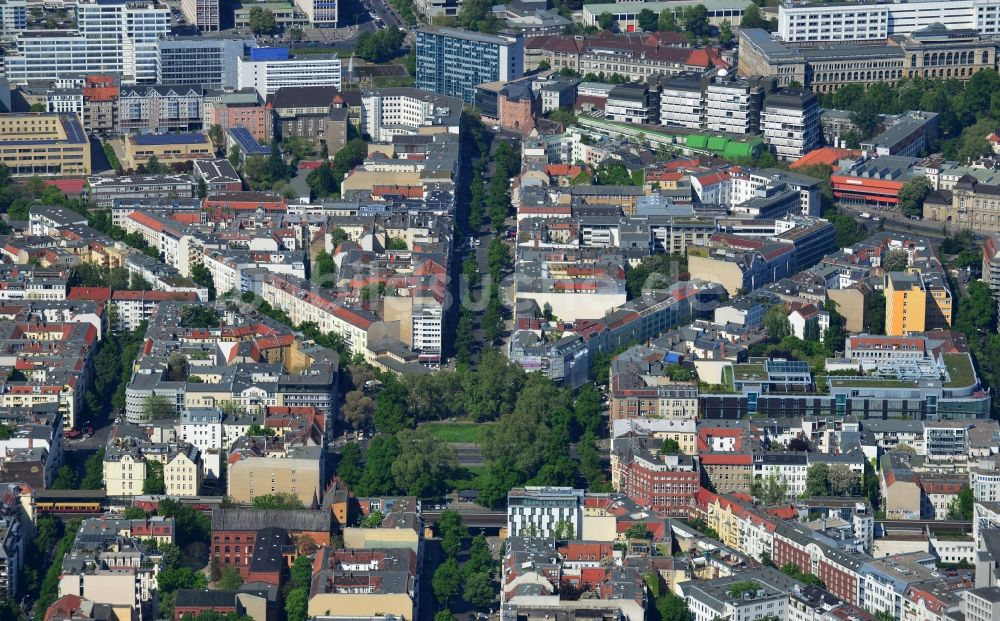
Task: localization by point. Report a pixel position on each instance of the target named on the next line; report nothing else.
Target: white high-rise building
(267, 75)
(823, 21)
(790, 123)
(112, 36)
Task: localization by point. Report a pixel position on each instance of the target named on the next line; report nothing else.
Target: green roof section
(711, 143)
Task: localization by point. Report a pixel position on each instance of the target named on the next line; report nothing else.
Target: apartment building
(127, 457)
(15, 530)
(544, 511)
(111, 563)
(240, 109)
(265, 465)
(156, 108)
(268, 69)
(454, 62)
(66, 149)
(202, 14)
(667, 483)
(105, 190)
(390, 576)
(916, 302)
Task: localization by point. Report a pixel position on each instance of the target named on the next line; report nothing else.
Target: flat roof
(158, 139)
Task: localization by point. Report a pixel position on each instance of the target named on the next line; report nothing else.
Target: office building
(718, 101)
(166, 148)
(268, 69)
(44, 144)
(633, 103)
(13, 18)
(860, 21)
(208, 61)
(239, 109)
(790, 123)
(202, 14)
(113, 36)
(320, 13)
(545, 511)
(454, 62)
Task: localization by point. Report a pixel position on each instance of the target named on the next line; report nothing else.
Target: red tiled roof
(96, 294)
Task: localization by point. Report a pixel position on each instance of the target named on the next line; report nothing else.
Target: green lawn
(455, 432)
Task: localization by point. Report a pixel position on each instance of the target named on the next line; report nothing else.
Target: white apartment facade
(815, 21)
(542, 511)
(267, 76)
(393, 112)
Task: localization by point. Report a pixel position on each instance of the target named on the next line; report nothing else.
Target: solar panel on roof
(787, 366)
(248, 144)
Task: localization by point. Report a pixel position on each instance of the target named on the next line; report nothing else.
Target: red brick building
(666, 483)
(247, 538)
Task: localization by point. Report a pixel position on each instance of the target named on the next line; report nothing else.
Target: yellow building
(166, 148)
(725, 521)
(44, 144)
(905, 304)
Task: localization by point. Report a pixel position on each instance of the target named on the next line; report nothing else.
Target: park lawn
(455, 432)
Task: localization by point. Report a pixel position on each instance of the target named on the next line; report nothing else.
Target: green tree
(377, 476)
(261, 21)
(725, 34)
(446, 581)
(648, 20)
(753, 19)
(769, 490)
(960, 507)
(670, 447)
(639, 530)
(667, 22)
(776, 322)
(696, 20)
(817, 481)
(606, 21)
(671, 607)
(65, 478)
(391, 407)
(349, 467)
(479, 590)
(424, 463)
(230, 578)
(842, 480)
(279, 500)
(217, 137)
(912, 196)
(445, 615)
(297, 604)
(153, 483)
